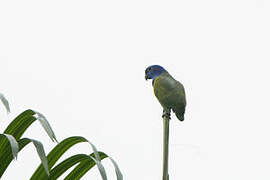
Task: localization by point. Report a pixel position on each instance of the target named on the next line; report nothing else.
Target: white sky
(81, 63)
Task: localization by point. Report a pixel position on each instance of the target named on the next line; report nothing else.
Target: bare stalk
(166, 120)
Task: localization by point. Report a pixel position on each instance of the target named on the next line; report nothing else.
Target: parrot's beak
(147, 77)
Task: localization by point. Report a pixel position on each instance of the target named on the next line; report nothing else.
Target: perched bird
(169, 92)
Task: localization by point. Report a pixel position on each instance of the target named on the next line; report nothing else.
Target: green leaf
(56, 153)
(5, 102)
(117, 170)
(100, 168)
(98, 162)
(66, 164)
(81, 169)
(17, 127)
(43, 121)
(71, 161)
(41, 154)
(60, 149)
(95, 151)
(7, 158)
(13, 145)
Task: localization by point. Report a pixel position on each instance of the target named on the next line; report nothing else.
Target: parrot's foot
(166, 114)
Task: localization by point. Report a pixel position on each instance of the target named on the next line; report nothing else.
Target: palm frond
(62, 167)
(6, 156)
(13, 144)
(56, 153)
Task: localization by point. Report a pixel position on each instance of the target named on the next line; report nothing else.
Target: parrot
(169, 92)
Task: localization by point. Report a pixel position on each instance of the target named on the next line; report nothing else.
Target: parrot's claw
(166, 114)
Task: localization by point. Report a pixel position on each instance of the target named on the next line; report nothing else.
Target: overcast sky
(81, 64)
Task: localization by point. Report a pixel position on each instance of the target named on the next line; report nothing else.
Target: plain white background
(81, 63)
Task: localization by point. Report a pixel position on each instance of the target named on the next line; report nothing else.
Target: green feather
(171, 94)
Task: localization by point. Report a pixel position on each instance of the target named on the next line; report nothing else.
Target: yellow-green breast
(170, 93)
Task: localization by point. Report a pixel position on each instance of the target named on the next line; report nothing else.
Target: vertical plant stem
(166, 120)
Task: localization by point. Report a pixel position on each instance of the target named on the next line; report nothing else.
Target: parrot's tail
(180, 116)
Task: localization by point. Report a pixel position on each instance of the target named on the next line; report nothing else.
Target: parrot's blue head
(153, 71)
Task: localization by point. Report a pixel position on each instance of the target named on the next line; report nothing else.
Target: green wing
(171, 94)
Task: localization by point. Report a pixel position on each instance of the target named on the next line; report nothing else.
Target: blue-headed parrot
(169, 92)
